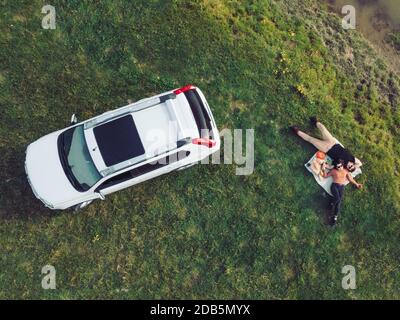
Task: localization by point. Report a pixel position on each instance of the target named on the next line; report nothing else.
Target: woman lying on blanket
(340, 175)
(329, 145)
(344, 163)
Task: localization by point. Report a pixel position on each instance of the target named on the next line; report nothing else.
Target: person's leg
(326, 135)
(336, 198)
(337, 192)
(322, 145)
(339, 205)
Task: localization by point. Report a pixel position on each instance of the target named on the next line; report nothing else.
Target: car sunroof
(118, 140)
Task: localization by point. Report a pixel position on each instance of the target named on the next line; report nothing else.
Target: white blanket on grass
(327, 182)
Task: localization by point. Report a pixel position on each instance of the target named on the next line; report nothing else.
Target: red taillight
(204, 142)
(184, 89)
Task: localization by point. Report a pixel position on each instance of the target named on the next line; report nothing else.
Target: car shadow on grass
(16, 197)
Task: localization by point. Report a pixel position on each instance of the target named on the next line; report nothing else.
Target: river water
(375, 19)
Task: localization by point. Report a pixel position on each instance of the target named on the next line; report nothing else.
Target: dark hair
(348, 157)
(339, 162)
(352, 169)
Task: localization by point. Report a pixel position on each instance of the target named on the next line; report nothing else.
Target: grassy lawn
(203, 232)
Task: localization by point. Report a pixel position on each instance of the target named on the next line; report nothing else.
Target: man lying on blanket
(340, 156)
(321, 169)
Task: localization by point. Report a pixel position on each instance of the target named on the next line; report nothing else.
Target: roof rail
(134, 107)
(142, 158)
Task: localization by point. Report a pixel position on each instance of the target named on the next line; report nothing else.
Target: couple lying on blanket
(333, 166)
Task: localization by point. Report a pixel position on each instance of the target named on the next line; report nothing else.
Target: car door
(145, 172)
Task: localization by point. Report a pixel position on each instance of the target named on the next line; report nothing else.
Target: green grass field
(204, 232)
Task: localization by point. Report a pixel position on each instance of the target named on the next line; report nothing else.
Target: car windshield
(77, 162)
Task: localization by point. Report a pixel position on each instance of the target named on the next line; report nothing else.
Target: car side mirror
(101, 195)
(74, 119)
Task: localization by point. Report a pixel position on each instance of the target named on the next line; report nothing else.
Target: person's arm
(326, 175)
(358, 163)
(351, 179)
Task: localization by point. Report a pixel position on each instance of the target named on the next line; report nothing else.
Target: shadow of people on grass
(16, 197)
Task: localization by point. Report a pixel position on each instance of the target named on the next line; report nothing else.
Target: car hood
(45, 173)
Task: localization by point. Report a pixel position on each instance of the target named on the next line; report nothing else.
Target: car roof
(118, 140)
(139, 132)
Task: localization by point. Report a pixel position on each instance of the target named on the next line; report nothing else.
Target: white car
(120, 148)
